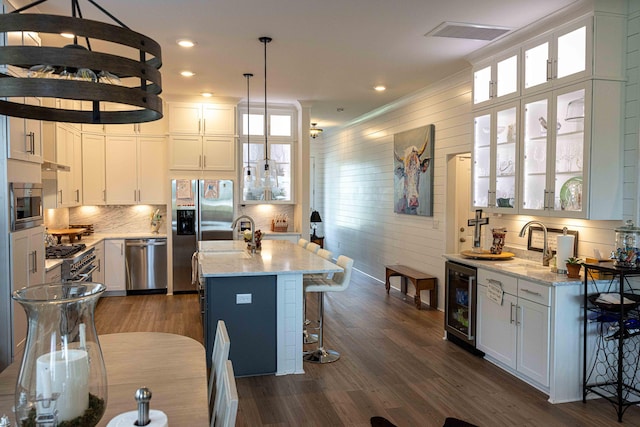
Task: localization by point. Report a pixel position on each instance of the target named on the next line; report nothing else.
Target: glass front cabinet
(495, 159)
(555, 153)
(497, 79)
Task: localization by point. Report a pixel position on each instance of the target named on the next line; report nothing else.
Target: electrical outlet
(243, 298)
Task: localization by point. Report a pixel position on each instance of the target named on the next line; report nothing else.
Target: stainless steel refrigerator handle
(471, 280)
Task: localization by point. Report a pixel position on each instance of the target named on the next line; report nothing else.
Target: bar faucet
(252, 244)
(546, 253)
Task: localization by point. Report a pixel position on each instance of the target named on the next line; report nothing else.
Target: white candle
(66, 373)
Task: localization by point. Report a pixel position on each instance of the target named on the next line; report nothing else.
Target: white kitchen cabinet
(516, 332)
(63, 188)
(202, 119)
(156, 127)
(98, 274)
(27, 269)
(94, 188)
(495, 158)
(193, 152)
(114, 266)
(25, 135)
(497, 79)
(571, 151)
(135, 170)
(589, 47)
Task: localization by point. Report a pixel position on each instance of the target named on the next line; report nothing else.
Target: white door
(496, 327)
(152, 167)
(114, 265)
(533, 340)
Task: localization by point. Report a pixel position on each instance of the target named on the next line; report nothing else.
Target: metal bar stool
(339, 282)
(307, 337)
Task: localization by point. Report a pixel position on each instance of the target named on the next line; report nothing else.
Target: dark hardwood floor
(394, 363)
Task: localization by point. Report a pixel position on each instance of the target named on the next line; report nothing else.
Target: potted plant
(573, 267)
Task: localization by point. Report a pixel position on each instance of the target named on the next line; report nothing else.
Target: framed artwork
(536, 238)
(413, 171)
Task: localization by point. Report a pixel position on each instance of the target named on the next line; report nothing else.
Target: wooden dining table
(172, 366)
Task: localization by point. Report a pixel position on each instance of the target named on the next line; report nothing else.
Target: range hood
(54, 167)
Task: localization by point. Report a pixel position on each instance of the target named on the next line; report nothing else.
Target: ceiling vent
(468, 31)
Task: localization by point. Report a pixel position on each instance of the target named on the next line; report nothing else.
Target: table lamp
(315, 219)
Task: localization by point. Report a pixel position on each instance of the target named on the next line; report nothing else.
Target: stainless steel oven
(80, 268)
(25, 205)
(460, 304)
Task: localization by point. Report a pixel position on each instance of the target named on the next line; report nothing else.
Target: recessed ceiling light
(379, 88)
(67, 35)
(186, 43)
(207, 94)
(187, 73)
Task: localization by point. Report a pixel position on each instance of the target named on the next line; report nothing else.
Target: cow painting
(413, 177)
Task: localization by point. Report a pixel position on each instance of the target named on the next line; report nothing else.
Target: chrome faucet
(252, 244)
(546, 253)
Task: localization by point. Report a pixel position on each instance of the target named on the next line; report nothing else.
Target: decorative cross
(477, 222)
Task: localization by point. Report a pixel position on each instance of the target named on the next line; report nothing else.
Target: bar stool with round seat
(339, 282)
(313, 247)
(303, 243)
(307, 337)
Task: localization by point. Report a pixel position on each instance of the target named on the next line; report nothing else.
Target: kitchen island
(260, 298)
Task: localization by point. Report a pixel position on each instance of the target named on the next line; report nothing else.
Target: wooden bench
(421, 281)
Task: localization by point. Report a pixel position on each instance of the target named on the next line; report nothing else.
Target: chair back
(328, 255)
(343, 279)
(303, 242)
(226, 399)
(219, 356)
(313, 247)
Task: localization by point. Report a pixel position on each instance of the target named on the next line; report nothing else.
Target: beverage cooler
(460, 304)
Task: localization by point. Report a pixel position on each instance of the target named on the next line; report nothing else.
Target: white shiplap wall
(354, 181)
(354, 178)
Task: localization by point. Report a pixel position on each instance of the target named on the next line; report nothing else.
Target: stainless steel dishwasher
(146, 263)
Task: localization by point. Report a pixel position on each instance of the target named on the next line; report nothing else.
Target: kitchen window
(281, 138)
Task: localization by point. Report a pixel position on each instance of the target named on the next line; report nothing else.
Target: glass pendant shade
(268, 174)
(249, 175)
(62, 378)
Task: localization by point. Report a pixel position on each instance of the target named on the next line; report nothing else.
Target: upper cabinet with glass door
(275, 184)
(496, 79)
(571, 152)
(576, 51)
(495, 157)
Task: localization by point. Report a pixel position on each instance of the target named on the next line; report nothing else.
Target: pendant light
(267, 168)
(248, 172)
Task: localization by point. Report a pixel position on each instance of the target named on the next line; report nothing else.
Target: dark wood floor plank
(394, 363)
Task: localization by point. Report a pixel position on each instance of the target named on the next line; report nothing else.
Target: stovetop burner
(63, 251)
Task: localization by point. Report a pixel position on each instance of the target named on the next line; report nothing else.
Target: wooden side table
(318, 240)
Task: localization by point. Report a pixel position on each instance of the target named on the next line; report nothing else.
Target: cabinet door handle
(121, 248)
(35, 261)
(204, 125)
(135, 199)
(538, 294)
(60, 196)
(511, 313)
(78, 195)
(472, 280)
(555, 68)
(204, 161)
(549, 71)
(199, 125)
(200, 161)
(99, 265)
(520, 309)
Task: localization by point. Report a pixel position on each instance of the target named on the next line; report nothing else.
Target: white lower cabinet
(27, 269)
(114, 266)
(515, 333)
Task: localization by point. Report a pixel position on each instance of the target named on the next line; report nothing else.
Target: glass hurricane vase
(62, 380)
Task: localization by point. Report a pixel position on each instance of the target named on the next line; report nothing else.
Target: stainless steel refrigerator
(202, 210)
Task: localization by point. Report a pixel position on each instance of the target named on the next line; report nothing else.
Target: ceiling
(329, 53)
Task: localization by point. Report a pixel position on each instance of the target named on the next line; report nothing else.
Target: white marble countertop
(223, 258)
(520, 268)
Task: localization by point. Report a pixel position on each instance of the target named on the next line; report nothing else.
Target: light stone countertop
(224, 258)
(520, 268)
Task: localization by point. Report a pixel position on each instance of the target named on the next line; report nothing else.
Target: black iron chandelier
(76, 72)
